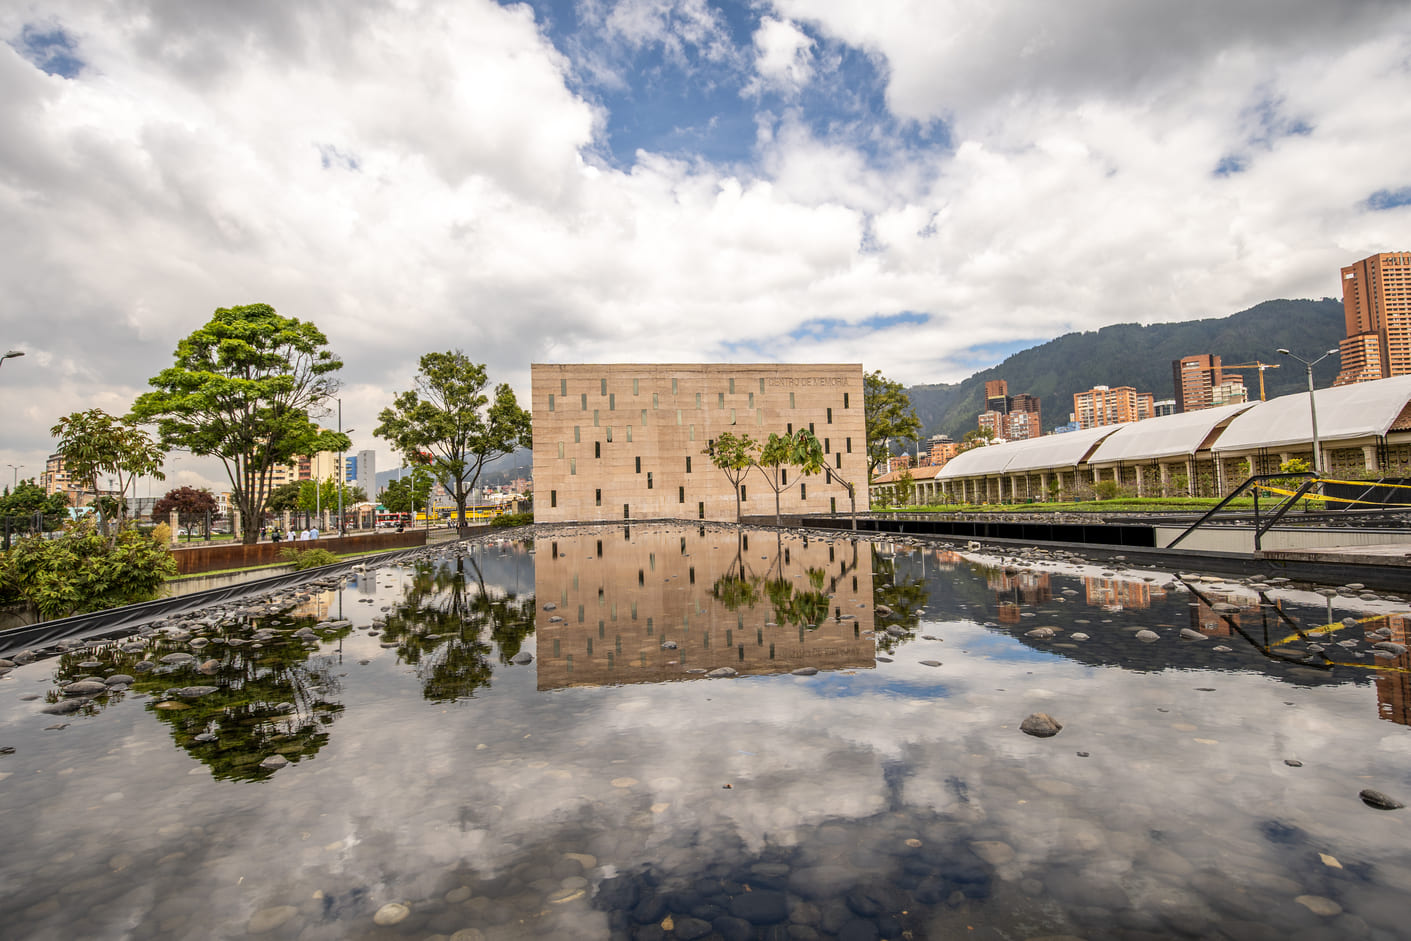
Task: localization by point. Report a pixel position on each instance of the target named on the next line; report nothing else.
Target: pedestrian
(313, 533)
(274, 535)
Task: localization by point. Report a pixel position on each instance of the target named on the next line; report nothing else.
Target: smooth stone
(1148, 636)
(805, 671)
(64, 707)
(177, 658)
(1319, 905)
(930, 663)
(723, 672)
(522, 658)
(1189, 634)
(274, 763)
(762, 907)
(1379, 800)
(1078, 636)
(1041, 725)
(391, 914)
(195, 692)
(117, 678)
(1041, 633)
(268, 919)
(85, 688)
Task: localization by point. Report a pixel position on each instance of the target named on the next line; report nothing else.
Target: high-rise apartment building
(1194, 377)
(1010, 417)
(1101, 405)
(1376, 309)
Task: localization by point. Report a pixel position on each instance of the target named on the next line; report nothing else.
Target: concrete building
(367, 472)
(615, 441)
(1376, 307)
(1101, 406)
(1010, 417)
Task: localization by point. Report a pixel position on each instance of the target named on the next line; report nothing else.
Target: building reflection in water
(751, 601)
(1015, 588)
(1119, 594)
(1394, 683)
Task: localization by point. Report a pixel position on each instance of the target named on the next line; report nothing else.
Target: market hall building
(629, 441)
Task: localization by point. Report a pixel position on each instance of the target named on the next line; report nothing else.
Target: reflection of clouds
(403, 801)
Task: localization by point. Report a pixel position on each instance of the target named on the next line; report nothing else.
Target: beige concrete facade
(627, 441)
(610, 597)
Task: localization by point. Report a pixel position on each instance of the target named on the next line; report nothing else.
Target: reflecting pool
(661, 731)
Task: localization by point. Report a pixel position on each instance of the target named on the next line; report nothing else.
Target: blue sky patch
(1230, 164)
(50, 49)
(1389, 199)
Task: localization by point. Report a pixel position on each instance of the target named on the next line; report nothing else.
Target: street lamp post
(341, 470)
(1313, 406)
(16, 468)
(10, 355)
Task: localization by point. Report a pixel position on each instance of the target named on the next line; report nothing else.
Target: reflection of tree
(903, 598)
(268, 701)
(737, 588)
(439, 628)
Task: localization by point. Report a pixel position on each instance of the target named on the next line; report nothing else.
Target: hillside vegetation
(1140, 356)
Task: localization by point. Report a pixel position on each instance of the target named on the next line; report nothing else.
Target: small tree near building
(734, 455)
(94, 444)
(191, 505)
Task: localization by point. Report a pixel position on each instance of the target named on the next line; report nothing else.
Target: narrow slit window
(602, 387)
(612, 405)
(598, 497)
(634, 387)
(597, 449)
(845, 400)
(732, 386)
(639, 465)
(563, 388)
(720, 400)
(551, 401)
(830, 416)
(583, 402)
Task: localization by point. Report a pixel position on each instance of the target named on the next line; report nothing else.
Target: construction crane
(1255, 365)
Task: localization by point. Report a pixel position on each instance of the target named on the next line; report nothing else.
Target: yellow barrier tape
(1364, 483)
(1327, 499)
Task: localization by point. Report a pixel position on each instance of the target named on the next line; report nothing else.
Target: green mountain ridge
(1140, 356)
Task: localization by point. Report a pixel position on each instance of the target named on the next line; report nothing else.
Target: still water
(532, 740)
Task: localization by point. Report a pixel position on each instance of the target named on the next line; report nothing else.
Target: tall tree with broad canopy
(191, 505)
(448, 416)
(735, 455)
(886, 408)
(95, 444)
(245, 388)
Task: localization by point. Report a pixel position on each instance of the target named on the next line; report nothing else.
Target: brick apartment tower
(1195, 378)
(1376, 307)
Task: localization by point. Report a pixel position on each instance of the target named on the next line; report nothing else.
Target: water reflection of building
(620, 593)
(1213, 623)
(1015, 588)
(1117, 594)
(1394, 681)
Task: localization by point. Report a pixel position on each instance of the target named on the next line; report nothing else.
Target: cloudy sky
(922, 185)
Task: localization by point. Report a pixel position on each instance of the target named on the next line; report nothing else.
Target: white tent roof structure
(1359, 410)
(1018, 457)
(1167, 436)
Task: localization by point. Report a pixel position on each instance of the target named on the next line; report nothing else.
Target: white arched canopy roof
(1018, 457)
(1359, 410)
(1168, 436)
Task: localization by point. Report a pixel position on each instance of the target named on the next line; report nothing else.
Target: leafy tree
(408, 494)
(242, 389)
(94, 444)
(774, 458)
(448, 416)
(905, 487)
(284, 497)
(84, 571)
(191, 505)
(888, 414)
(733, 454)
(20, 505)
(976, 438)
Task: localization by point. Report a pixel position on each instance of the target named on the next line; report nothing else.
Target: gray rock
(1379, 800)
(117, 678)
(1041, 633)
(930, 663)
(1040, 725)
(668, 645)
(85, 688)
(1190, 634)
(1078, 636)
(723, 672)
(805, 671)
(64, 707)
(274, 762)
(522, 658)
(195, 692)
(177, 658)
(1148, 636)
(761, 907)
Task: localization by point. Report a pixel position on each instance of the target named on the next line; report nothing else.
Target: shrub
(1107, 489)
(512, 519)
(160, 534)
(83, 570)
(307, 558)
